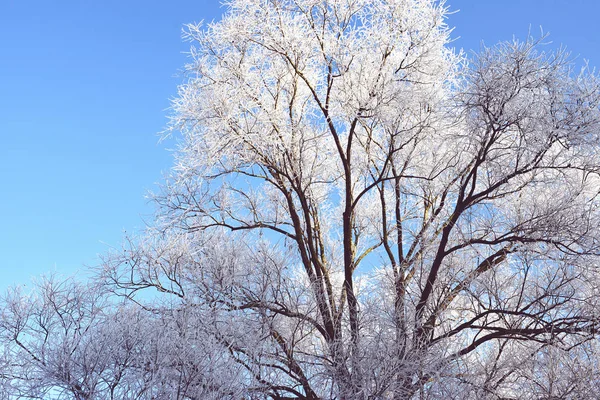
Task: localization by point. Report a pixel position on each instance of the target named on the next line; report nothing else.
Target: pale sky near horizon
(84, 92)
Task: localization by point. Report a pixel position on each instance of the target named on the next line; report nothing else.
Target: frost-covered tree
(68, 340)
(367, 214)
(45, 338)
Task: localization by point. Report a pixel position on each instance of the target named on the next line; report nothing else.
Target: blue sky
(84, 88)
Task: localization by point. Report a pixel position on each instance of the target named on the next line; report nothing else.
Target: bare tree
(385, 219)
(67, 340)
(46, 335)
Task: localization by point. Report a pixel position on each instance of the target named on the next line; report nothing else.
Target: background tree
(66, 340)
(46, 336)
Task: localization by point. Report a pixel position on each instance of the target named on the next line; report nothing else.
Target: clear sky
(84, 88)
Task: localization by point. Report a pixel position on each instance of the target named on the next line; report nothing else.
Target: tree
(367, 211)
(46, 339)
(68, 340)
(359, 212)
